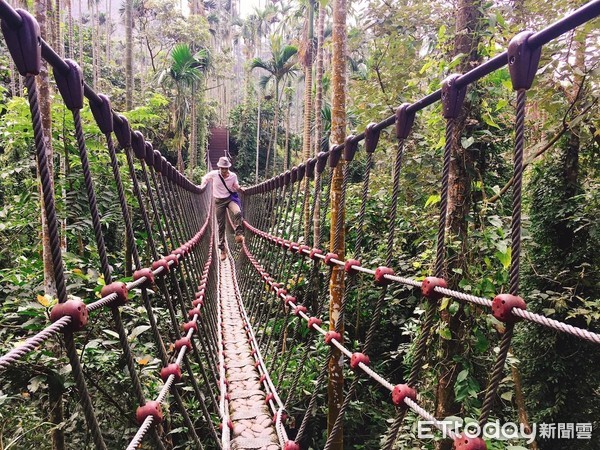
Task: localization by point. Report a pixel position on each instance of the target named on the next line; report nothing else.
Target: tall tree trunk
(289, 96)
(336, 284)
(193, 127)
(459, 204)
(80, 35)
(318, 107)
(69, 5)
(43, 86)
(275, 128)
(308, 107)
(108, 27)
(257, 137)
(128, 55)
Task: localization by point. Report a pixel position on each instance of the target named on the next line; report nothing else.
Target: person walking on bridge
(225, 192)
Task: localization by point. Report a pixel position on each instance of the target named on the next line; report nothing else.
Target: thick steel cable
(498, 370)
(102, 253)
(52, 223)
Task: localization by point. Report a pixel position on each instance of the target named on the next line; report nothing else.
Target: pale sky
(247, 6)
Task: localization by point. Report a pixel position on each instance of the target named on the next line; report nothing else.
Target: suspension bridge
(232, 324)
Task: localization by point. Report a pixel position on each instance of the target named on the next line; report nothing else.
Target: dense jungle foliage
(397, 52)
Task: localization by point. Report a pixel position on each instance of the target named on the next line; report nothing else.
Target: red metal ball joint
(193, 312)
(146, 272)
(314, 252)
(332, 335)
(190, 325)
(314, 321)
(469, 443)
(183, 342)
(75, 309)
(119, 288)
(402, 391)
(171, 369)
(358, 358)
(428, 287)
(151, 408)
(348, 266)
(290, 298)
(161, 263)
(329, 257)
(300, 309)
(173, 258)
(291, 445)
(303, 249)
(269, 397)
(380, 274)
(503, 305)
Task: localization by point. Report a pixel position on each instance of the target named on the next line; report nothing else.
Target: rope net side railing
(284, 268)
(173, 280)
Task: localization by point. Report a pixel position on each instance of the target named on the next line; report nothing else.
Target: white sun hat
(224, 162)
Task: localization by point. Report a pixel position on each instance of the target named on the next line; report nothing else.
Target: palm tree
(185, 73)
(280, 66)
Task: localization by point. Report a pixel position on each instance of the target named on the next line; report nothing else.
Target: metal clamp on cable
(144, 273)
(138, 144)
(372, 134)
(350, 266)
(328, 259)
(402, 391)
(118, 288)
(24, 43)
(122, 131)
(462, 442)
(183, 342)
(152, 409)
(380, 273)
(428, 287)
(171, 369)
(330, 335)
(358, 358)
(350, 147)
(523, 61)
(70, 85)
(334, 155)
(503, 305)
(102, 112)
(75, 309)
(453, 97)
(314, 321)
(404, 121)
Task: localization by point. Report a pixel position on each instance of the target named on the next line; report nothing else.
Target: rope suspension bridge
(241, 331)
